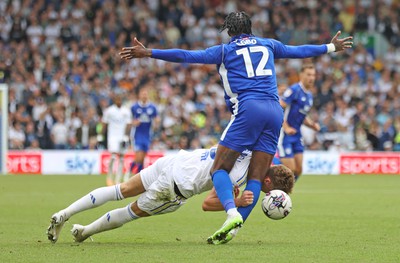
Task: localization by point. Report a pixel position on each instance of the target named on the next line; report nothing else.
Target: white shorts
(114, 145)
(160, 197)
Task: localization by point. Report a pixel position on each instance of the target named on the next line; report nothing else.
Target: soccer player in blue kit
(247, 71)
(297, 101)
(143, 112)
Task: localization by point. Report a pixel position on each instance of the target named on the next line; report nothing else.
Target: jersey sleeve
(304, 51)
(288, 95)
(133, 111)
(211, 55)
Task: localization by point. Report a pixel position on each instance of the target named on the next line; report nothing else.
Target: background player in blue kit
(247, 71)
(143, 112)
(297, 101)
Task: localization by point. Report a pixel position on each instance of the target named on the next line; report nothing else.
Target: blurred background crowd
(60, 60)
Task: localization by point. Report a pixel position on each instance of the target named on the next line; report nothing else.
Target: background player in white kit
(178, 177)
(117, 120)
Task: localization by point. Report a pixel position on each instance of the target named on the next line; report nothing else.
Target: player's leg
(224, 160)
(259, 164)
(110, 173)
(289, 162)
(111, 220)
(286, 151)
(298, 159)
(137, 165)
(139, 159)
(151, 202)
(94, 199)
(263, 154)
(242, 130)
(121, 160)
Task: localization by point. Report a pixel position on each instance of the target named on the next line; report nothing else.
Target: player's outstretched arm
(212, 203)
(212, 55)
(306, 51)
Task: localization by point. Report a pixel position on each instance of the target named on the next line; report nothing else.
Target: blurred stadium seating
(60, 60)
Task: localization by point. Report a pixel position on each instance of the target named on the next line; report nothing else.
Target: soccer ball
(276, 204)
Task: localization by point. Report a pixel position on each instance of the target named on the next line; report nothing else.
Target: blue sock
(223, 187)
(140, 167)
(255, 187)
(132, 166)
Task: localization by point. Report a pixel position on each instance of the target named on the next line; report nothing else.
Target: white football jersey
(117, 119)
(191, 170)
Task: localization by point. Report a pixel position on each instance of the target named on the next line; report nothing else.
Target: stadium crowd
(60, 60)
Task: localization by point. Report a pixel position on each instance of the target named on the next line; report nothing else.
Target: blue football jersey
(245, 64)
(145, 113)
(299, 102)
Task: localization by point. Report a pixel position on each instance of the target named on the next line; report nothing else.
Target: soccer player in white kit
(117, 120)
(164, 187)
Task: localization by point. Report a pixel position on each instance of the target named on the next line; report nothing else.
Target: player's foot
(57, 222)
(109, 182)
(77, 233)
(223, 235)
(228, 237)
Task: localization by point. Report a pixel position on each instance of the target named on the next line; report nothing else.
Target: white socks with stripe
(94, 199)
(113, 219)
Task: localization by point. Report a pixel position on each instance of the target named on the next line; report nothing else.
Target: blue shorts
(256, 126)
(141, 146)
(289, 145)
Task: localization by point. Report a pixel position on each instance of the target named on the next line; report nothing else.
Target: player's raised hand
(138, 50)
(341, 43)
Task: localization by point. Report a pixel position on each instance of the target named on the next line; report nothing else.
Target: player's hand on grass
(246, 199)
(341, 43)
(138, 50)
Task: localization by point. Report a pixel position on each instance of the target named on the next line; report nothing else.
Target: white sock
(113, 219)
(232, 212)
(95, 198)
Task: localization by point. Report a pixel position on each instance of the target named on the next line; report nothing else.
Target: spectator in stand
(59, 134)
(70, 48)
(85, 132)
(16, 136)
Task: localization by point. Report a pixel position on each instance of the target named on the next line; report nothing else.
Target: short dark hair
(237, 23)
(282, 178)
(308, 65)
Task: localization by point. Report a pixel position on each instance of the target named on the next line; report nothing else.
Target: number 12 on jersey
(260, 70)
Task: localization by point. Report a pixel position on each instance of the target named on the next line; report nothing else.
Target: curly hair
(282, 178)
(237, 23)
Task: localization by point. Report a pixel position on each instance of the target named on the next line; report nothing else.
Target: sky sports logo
(370, 164)
(80, 164)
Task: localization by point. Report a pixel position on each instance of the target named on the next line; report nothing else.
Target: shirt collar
(240, 37)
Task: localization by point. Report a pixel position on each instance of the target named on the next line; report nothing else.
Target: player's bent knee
(135, 208)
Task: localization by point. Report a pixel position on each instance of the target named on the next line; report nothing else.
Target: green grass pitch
(334, 219)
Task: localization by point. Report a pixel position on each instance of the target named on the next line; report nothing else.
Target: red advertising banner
(151, 157)
(24, 162)
(370, 163)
